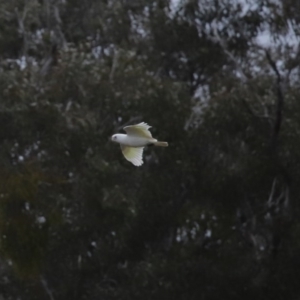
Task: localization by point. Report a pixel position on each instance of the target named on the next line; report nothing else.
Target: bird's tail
(161, 144)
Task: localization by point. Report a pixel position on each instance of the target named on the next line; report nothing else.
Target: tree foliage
(214, 215)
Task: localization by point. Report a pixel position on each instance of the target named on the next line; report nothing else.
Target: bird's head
(114, 138)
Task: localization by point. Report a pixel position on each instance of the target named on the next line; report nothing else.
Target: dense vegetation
(215, 215)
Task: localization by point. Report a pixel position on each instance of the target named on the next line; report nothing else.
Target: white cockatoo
(132, 144)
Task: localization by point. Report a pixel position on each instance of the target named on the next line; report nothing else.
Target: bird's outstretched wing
(134, 155)
(140, 130)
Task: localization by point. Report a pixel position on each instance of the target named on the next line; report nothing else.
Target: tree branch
(279, 104)
(21, 19)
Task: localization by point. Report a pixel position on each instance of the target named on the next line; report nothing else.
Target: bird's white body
(133, 141)
(132, 144)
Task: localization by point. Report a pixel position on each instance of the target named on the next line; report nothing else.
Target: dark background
(213, 216)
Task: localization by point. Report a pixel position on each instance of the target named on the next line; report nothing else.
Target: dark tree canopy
(213, 216)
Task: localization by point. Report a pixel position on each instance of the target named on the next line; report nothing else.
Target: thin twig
(45, 286)
(271, 197)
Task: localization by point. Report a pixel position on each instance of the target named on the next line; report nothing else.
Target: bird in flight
(132, 144)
